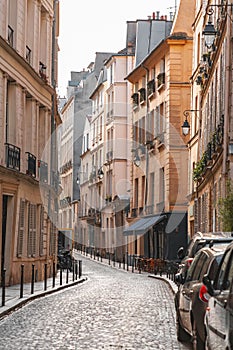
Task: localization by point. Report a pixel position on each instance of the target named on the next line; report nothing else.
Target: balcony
(43, 171)
(160, 80)
(31, 169)
(135, 98)
(142, 93)
(12, 157)
(151, 87)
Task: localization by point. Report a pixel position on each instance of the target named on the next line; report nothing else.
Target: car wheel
(182, 335)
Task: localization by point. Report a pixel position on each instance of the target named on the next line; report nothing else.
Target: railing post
(33, 278)
(3, 286)
(45, 276)
(21, 281)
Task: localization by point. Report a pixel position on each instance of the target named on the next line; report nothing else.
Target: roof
(143, 225)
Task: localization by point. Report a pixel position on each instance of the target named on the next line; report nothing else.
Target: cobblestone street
(113, 309)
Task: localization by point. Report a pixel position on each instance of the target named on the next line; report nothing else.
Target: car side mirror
(181, 253)
(179, 278)
(208, 283)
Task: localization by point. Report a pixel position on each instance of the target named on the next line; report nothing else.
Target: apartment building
(210, 146)
(161, 90)
(28, 117)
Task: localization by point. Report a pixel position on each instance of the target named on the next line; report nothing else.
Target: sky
(87, 27)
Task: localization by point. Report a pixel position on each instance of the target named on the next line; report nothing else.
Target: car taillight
(203, 294)
(189, 261)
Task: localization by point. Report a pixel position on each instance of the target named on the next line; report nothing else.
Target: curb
(27, 300)
(166, 281)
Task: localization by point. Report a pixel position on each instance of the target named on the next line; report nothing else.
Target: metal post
(3, 286)
(123, 261)
(91, 252)
(114, 258)
(127, 261)
(80, 268)
(133, 264)
(73, 269)
(45, 276)
(21, 281)
(109, 258)
(60, 276)
(33, 278)
(54, 274)
(67, 275)
(76, 269)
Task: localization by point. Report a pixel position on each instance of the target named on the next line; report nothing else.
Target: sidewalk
(12, 293)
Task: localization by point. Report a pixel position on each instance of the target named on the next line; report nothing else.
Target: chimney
(153, 15)
(157, 14)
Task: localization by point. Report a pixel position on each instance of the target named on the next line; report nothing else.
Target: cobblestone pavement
(113, 309)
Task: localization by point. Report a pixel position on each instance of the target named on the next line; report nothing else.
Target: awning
(143, 225)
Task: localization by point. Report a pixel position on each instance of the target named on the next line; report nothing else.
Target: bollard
(109, 259)
(76, 269)
(123, 261)
(33, 278)
(21, 281)
(94, 253)
(67, 275)
(119, 264)
(73, 269)
(3, 286)
(114, 259)
(60, 277)
(133, 264)
(91, 253)
(127, 261)
(80, 269)
(101, 259)
(54, 274)
(45, 276)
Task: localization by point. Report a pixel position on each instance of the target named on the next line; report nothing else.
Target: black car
(190, 309)
(198, 241)
(219, 314)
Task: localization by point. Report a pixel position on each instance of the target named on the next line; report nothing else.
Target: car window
(229, 275)
(222, 270)
(197, 268)
(214, 265)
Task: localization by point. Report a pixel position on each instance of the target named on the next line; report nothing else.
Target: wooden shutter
(41, 240)
(32, 230)
(21, 228)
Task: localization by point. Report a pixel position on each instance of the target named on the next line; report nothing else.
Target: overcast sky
(91, 26)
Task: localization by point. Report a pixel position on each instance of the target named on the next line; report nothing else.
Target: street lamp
(186, 125)
(100, 173)
(209, 33)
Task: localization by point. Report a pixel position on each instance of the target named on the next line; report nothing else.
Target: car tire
(182, 335)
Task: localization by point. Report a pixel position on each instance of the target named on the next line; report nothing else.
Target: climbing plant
(226, 209)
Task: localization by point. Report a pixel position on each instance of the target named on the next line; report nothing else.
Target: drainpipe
(227, 102)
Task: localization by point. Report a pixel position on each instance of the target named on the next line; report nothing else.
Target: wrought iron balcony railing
(31, 169)
(12, 156)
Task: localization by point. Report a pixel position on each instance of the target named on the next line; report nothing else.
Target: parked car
(198, 241)
(190, 309)
(219, 314)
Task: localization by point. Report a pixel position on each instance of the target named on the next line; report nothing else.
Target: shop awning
(143, 225)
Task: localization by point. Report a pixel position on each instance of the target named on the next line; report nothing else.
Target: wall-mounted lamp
(186, 125)
(209, 33)
(137, 160)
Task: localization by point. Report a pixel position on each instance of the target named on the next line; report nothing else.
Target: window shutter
(32, 230)
(41, 243)
(21, 228)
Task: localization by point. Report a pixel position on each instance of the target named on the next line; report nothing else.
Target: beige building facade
(28, 176)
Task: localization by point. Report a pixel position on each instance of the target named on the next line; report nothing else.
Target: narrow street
(113, 309)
